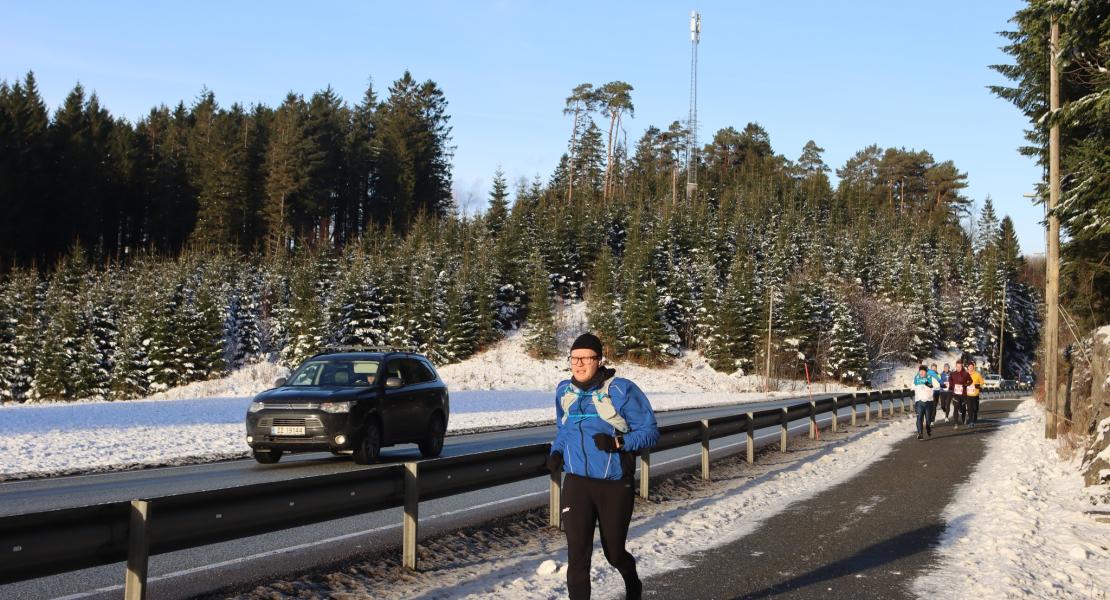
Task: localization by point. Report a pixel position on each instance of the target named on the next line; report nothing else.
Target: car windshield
(335, 373)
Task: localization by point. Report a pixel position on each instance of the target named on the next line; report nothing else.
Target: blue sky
(845, 74)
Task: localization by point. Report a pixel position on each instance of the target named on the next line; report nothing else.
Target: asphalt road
(187, 573)
(868, 537)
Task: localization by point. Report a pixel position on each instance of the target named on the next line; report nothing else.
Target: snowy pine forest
(845, 279)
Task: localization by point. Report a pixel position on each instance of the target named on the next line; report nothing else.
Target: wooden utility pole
(770, 314)
(1002, 326)
(1052, 262)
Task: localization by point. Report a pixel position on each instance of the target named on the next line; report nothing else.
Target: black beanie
(587, 341)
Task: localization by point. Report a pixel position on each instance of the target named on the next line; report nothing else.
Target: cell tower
(692, 123)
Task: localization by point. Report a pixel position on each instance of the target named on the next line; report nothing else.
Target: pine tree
(59, 352)
(131, 375)
(290, 160)
(204, 319)
(359, 320)
(246, 344)
(540, 340)
(306, 319)
(168, 366)
(733, 321)
(498, 211)
(847, 357)
(973, 314)
(602, 304)
(17, 330)
(98, 347)
(461, 331)
(644, 337)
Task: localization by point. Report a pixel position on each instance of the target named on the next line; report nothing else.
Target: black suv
(351, 402)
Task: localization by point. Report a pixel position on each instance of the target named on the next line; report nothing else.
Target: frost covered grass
(1023, 525)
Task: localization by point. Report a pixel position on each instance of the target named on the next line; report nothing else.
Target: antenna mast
(692, 123)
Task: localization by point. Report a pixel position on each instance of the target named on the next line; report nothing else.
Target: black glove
(606, 443)
(978, 386)
(555, 462)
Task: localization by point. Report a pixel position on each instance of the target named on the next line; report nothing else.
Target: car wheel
(370, 446)
(432, 444)
(267, 457)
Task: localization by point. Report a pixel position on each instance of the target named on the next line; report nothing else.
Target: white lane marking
(288, 549)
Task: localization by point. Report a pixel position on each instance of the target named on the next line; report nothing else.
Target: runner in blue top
(602, 421)
(937, 385)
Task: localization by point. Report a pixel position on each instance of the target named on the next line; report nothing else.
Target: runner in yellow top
(973, 394)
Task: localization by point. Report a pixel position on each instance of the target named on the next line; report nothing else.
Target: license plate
(286, 430)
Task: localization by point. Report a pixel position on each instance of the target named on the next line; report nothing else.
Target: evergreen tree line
(311, 171)
(1084, 121)
(844, 280)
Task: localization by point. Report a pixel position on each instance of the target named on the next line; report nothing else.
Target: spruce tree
(306, 320)
(644, 337)
(461, 330)
(734, 321)
(540, 339)
(17, 334)
(131, 375)
(98, 354)
(246, 345)
(847, 359)
(59, 353)
(603, 307)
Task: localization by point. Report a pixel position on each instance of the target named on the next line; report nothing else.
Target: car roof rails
(380, 349)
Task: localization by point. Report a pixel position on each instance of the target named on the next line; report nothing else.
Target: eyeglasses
(581, 360)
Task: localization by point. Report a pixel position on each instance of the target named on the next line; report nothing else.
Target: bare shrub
(887, 328)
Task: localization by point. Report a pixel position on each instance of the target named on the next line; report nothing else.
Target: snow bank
(1020, 527)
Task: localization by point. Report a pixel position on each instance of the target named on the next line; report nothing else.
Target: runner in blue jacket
(937, 383)
(602, 421)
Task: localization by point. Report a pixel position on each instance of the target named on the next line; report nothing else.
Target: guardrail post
(867, 410)
(902, 404)
(835, 417)
(751, 438)
(705, 450)
(881, 407)
(784, 432)
(412, 515)
(812, 420)
(554, 499)
(645, 472)
(138, 552)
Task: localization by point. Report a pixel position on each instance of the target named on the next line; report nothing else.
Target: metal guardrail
(46, 543)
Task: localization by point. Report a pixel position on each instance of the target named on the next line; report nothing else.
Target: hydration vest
(603, 404)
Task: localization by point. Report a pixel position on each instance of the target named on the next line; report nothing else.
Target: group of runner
(956, 391)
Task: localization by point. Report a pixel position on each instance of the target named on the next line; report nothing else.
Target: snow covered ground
(1022, 526)
(521, 560)
(499, 388)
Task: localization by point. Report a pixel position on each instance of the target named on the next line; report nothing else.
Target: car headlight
(336, 407)
(256, 406)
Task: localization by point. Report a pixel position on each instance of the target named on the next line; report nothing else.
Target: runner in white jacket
(923, 400)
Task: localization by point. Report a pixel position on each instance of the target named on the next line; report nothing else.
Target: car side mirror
(280, 381)
(393, 382)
